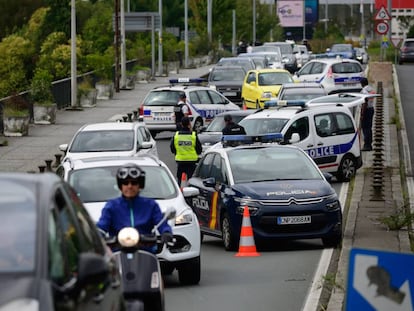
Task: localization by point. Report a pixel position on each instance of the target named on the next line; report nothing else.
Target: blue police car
(287, 195)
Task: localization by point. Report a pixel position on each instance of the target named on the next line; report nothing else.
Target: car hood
(226, 83)
(284, 189)
(271, 88)
(84, 155)
(210, 137)
(94, 208)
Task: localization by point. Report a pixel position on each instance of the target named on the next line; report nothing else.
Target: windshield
(263, 126)
(103, 141)
(274, 78)
(227, 75)
(218, 124)
(162, 98)
(341, 48)
(99, 184)
(18, 229)
(268, 164)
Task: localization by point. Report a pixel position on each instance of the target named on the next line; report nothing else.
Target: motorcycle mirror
(128, 237)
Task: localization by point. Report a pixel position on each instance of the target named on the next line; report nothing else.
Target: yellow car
(261, 85)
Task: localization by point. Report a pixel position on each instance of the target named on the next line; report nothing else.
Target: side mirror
(328, 176)
(190, 192)
(92, 269)
(63, 147)
(295, 138)
(209, 182)
(145, 145)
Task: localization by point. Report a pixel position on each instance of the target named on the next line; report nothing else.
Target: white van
(328, 133)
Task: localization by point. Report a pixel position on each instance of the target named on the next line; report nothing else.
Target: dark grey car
(228, 80)
(51, 254)
(406, 53)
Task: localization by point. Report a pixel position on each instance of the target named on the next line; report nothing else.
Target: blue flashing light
(187, 80)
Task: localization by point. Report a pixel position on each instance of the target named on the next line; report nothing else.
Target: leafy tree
(57, 18)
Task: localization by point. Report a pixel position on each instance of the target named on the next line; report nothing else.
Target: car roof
(334, 60)
(302, 85)
(219, 147)
(229, 67)
(112, 126)
(236, 113)
(265, 70)
(141, 160)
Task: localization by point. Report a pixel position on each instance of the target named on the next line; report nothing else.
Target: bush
(40, 87)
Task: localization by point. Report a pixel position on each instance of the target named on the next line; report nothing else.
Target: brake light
(329, 74)
(141, 110)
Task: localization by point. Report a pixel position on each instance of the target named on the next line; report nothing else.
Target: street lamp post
(73, 55)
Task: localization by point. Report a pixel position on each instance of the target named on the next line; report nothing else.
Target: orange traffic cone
(183, 181)
(247, 248)
(244, 106)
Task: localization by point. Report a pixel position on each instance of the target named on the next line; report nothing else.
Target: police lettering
(200, 203)
(184, 143)
(321, 152)
(299, 191)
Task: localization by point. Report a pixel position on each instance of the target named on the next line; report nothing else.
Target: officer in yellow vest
(186, 146)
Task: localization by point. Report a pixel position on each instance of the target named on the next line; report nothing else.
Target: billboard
(290, 13)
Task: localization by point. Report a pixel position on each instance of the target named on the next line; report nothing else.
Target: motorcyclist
(131, 209)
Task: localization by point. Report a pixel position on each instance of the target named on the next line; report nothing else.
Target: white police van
(327, 132)
(204, 103)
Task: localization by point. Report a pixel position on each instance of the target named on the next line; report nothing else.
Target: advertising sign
(290, 13)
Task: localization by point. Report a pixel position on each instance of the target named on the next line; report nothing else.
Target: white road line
(314, 294)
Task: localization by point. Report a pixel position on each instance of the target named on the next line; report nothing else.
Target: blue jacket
(146, 213)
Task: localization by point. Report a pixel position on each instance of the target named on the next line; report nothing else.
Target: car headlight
(183, 219)
(246, 201)
(23, 304)
(267, 95)
(333, 203)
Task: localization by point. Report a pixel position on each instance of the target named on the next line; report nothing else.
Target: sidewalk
(24, 154)
(363, 228)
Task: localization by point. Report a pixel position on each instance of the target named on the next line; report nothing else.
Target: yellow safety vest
(185, 147)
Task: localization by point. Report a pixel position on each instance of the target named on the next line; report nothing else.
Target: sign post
(382, 18)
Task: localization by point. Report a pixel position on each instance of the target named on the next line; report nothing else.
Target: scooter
(142, 282)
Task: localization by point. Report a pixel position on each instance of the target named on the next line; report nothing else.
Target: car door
(249, 89)
(71, 233)
(312, 72)
(205, 205)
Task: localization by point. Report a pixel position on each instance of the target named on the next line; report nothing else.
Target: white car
(327, 132)
(110, 138)
(94, 180)
(301, 53)
(204, 103)
(335, 74)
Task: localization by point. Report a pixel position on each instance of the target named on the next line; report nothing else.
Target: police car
(204, 103)
(95, 183)
(326, 131)
(335, 74)
(288, 197)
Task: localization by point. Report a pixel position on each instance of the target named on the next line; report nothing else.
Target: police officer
(367, 114)
(186, 146)
(181, 110)
(131, 209)
(231, 127)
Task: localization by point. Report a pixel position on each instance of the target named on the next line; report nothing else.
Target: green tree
(57, 18)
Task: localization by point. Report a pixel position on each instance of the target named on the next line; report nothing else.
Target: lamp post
(160, 39)
(254, 23)
(73, 102)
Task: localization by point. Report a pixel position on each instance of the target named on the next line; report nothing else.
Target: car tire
(230, 243)
(347, 168)
(189, 271)
(198, 124)
(332, 241)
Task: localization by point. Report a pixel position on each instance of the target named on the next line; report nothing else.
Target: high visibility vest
(185, 147)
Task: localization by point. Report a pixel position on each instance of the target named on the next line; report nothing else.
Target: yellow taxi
(260, 85)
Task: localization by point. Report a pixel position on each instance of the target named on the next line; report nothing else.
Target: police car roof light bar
(238, 140)
(273, 103)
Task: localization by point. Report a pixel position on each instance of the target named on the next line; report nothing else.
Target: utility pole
(186, 33)
(209, 19)
(116, 45)
(123, 52)
(254, 23)
(160, 40)
(73, 101)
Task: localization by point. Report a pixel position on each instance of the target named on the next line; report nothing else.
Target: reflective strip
(213, 216)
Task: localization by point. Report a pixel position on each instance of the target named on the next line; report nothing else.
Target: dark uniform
(232, 128)
(186, 146)
(180, 110)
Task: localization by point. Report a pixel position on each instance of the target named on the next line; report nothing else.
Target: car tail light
(329, 74)
(141, 110)
(190, 113)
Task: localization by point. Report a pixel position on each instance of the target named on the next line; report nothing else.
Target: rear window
(346, 68)
(409, 44)
(162, 98)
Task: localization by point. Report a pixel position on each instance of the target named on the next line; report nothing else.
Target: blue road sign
(384, 44)
(380, 281)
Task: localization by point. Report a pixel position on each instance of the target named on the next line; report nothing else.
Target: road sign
(380, 281)
(396, 42)
(381, 28)
(382, 14)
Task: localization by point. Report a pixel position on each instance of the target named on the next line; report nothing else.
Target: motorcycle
(142, 282)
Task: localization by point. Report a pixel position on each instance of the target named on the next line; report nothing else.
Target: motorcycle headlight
(183, 219)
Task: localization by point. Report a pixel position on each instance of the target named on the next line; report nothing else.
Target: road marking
(314, 294)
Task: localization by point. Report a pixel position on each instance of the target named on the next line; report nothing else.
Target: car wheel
(332, 241)
(189, 271)
(347, 168)
(198, 124)
(230, 244)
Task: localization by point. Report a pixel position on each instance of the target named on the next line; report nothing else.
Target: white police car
(94, 180)
(204, 103)
(287, 195)
(327, 132)
(335, 74)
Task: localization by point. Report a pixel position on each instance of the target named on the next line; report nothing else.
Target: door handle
(320, 144)
(309, 146)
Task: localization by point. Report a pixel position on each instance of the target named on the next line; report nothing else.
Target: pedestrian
(231, 127)
(186, 146)
(181, 110)
(367, 114)
(131, 209)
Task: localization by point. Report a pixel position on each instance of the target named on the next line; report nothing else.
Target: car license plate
(229, 93)
(294, 220)
(161, 114)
